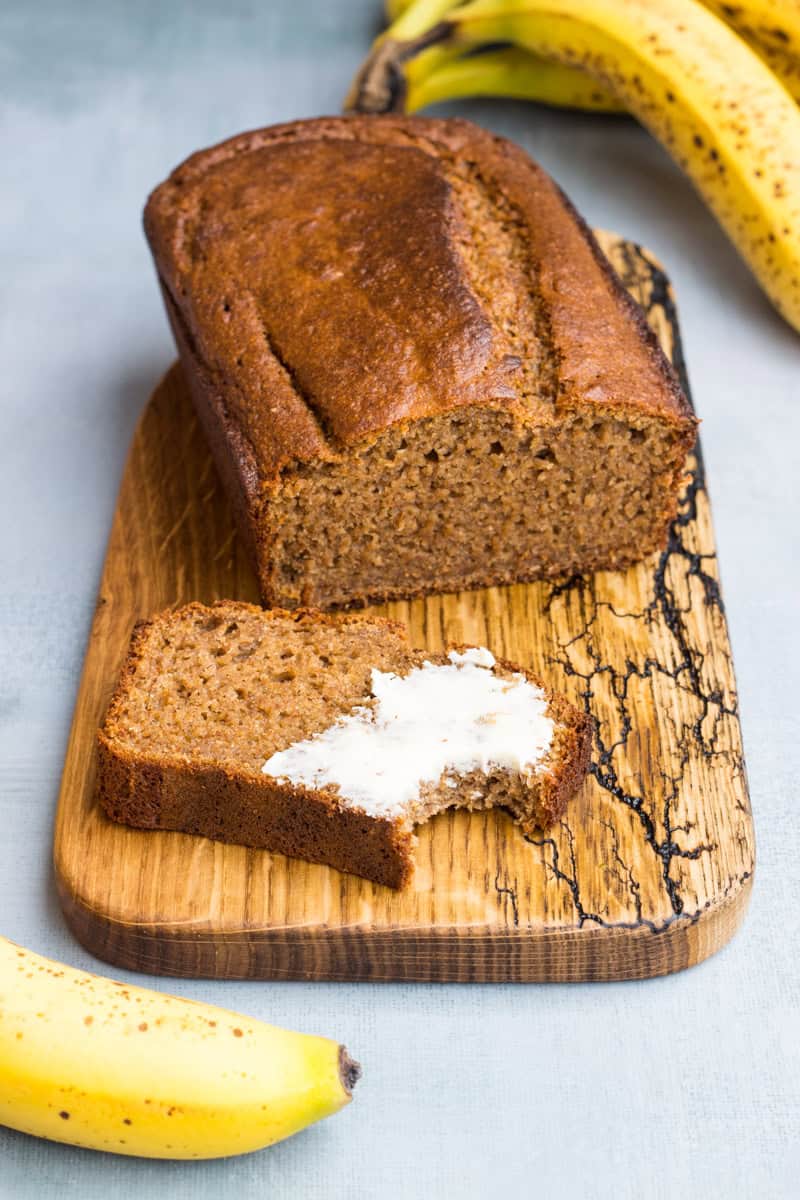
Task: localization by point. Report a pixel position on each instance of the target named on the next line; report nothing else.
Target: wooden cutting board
(651, 870)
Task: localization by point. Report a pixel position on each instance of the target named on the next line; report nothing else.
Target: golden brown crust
(321, 339)
(154, 790)
(569, 762)
(339, 285)
(211, 802)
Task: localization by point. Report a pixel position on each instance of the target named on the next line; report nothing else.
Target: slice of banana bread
(326, 738)
(415, 368)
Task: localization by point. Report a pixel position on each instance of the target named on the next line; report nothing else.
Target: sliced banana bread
(326, 738)
(415, 368)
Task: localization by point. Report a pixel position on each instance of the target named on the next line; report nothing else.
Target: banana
(417, 16)
(120, 1068)
(507, 72)
(710, 100)
(444, 72)
(772, 29)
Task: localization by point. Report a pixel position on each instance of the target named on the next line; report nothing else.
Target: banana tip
(349, 1070)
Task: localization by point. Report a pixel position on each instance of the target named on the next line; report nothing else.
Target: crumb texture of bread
(209, 693)
(415, 368)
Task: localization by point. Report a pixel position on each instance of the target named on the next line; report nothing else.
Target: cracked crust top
(338, 276)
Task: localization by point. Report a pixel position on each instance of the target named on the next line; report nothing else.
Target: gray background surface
(688, 1085)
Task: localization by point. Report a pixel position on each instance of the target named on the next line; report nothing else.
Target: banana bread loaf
(415, 368)
(324, 737)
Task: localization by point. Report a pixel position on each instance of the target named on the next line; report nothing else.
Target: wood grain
(651, 871)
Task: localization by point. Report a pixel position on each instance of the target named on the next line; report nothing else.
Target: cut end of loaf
(473, 499)
(209, 694)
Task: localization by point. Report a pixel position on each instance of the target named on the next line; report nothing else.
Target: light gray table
(685, 1086)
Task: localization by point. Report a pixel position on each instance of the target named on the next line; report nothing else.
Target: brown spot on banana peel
(380, 84)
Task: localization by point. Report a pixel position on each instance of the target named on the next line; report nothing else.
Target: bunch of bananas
(120, 1068)
(716, 83)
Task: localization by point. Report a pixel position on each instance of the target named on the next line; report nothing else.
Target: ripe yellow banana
(710, 100)
(508, 72)
(772, 28)
(120, 1068)
(444, 72)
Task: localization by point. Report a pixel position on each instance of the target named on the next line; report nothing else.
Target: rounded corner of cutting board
(702, 936)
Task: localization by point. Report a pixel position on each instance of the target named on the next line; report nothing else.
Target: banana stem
(380, 84)
(349, 1070)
